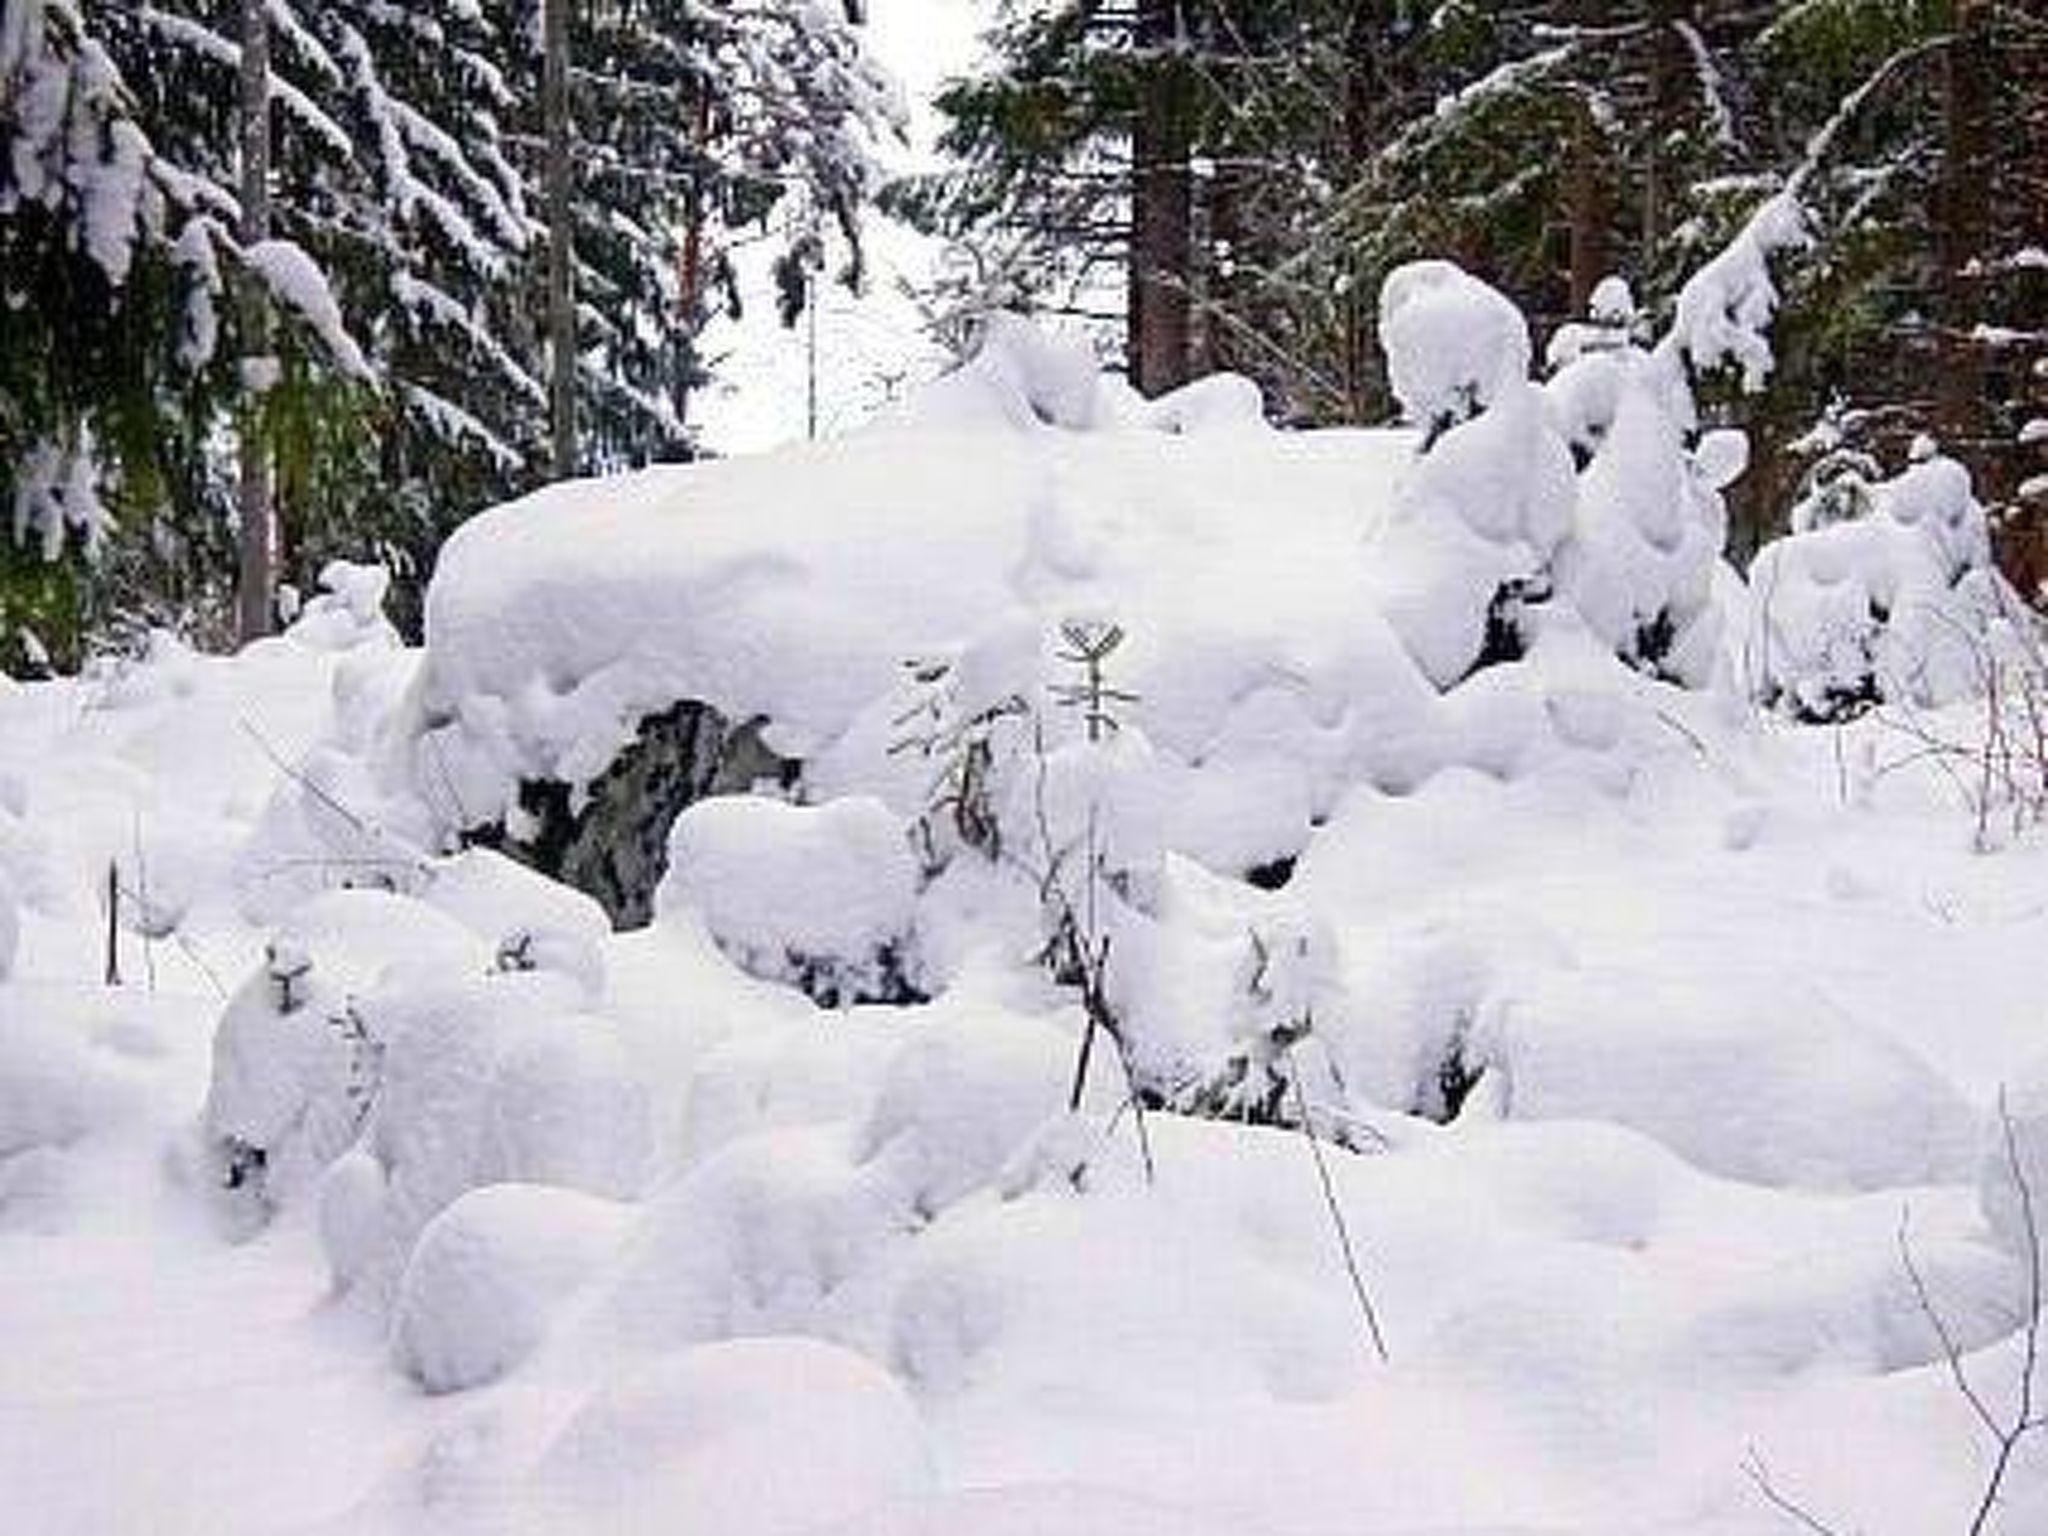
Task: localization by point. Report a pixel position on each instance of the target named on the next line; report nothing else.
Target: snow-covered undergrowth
(1402, 812)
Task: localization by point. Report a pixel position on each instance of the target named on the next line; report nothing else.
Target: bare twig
(2023, 1421)
(1753, 1467)
(408, 855)
(1951, 1352)
(1315, 1147)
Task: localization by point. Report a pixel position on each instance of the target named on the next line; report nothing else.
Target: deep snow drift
(1475, 876)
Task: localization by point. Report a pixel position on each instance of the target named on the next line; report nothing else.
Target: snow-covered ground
(1653, 1044)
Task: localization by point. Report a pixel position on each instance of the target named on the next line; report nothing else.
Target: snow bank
(1413, 804)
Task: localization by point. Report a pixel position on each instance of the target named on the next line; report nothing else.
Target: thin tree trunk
(1666, 64)
(1963, 210)
(1162, 235)
(690, 301)
(561, 242)
(256, 590)
(1587, 216)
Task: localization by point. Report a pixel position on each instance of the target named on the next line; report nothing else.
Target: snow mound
(499, 1079)
(55, 1087)
(820, 897)
(297, 1058)
(712, 1431)
(1725, 1085)
(1900, 604)
(1279, 658)
(487, 1273)
(960, 1097)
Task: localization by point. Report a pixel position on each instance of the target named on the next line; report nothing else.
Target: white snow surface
(564, 1230)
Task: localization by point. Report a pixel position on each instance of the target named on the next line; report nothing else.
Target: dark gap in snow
(832, 983)
(1274, 874)
(1652, 644)
(1443, 1092)
(615, 849)
(1507, 617)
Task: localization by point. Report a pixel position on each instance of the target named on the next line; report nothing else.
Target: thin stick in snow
(1315, 1147)
(113, 924)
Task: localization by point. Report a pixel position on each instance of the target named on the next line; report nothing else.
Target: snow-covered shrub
(1469, 545)
(1275, 1067)
(1650, 525)
(396, 1058)
(1838, 487)
(820, 897)
(1895, 605)
(1455, 347)
(297, 1057)
(347, 611)
(1021, 374)
(534, 922)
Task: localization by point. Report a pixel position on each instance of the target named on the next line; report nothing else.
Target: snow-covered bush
(1897, 604)
(1649, 527)
(820, 897)
(347, 611)
(395, 1058)
(1483, 511)
(1276, 1072)
(1455, 347)
(297, 1059)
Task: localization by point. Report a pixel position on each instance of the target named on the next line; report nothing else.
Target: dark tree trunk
(1586, 214)
(1962, 214)
(1667, 64)
(560, 178)
(1162, 224)
(256, 589)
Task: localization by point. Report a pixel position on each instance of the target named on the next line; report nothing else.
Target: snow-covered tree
(376, 340)
(697, 126)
